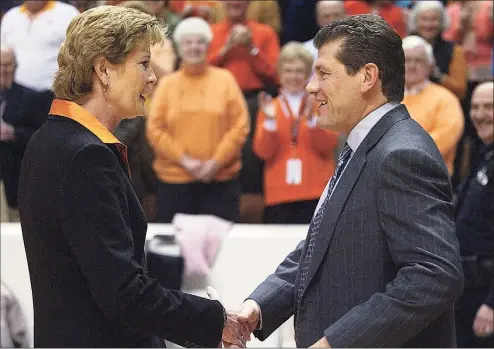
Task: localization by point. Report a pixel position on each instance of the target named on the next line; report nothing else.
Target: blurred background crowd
(211, 143)
(230, 130)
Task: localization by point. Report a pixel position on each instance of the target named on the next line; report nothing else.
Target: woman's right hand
(265, 102)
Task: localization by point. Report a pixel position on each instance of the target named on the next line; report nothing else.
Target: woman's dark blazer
(84, 233)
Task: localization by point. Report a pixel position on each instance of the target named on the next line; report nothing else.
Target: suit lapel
(345, 185)
(335, 206)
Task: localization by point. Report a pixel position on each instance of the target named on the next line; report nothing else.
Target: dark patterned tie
(345, 154)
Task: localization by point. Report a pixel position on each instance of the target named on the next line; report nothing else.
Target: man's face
(7, 69)
(417, 67)
(482, 113)
(337, 94)
(236, 10)
(328, 12)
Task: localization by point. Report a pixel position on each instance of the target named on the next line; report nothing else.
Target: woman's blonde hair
(111, 32)
(295, 50)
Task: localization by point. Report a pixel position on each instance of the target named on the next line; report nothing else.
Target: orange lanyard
(295, 121)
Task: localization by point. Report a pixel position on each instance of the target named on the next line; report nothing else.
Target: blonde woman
(298, 155)
(84, 229)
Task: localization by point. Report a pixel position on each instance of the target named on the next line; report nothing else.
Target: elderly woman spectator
(299, 156)
(433, 106)
(83, 227)
(197, 126)
(429, 19)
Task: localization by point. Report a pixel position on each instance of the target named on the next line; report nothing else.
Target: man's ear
(370, 77)
(101, 66)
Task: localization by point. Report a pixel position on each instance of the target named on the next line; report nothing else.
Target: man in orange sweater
(433, 106)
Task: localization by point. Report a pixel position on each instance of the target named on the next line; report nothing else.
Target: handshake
(239, 325)
(201, 170)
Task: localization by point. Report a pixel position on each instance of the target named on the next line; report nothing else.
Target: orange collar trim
(48, 6)
(77, 113)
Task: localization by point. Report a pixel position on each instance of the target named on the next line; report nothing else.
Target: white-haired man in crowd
(433, 106)
(327, 11)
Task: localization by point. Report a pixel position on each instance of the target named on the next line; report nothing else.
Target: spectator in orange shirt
(433, 106)
(299, 156)
(386, 9)
(249, 50)
(197, 126)
(428, 19)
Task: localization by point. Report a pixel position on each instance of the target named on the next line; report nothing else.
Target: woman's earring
(106, 85)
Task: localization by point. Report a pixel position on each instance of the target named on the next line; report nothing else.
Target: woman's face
(193, 49)
(293, 76)
(428, 24)
(130, 83)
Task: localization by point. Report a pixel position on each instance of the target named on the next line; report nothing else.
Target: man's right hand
(193, 166)
(250, 314)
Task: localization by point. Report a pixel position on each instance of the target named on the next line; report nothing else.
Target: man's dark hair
(369, 39)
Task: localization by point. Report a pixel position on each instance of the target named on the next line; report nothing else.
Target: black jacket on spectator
(475, 211)
(298, 19)
(84, 233)
(22, 111)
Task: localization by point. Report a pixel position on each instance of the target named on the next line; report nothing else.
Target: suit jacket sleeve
(93, 216)
(276, 295)
(414, 203)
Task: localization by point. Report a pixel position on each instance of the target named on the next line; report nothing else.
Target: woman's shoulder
(63, 135)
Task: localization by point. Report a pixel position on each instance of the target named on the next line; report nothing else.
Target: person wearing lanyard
(475, 231)
(299, 156)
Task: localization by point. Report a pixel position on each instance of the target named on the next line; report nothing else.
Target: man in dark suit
(380, 266)
(19, 119)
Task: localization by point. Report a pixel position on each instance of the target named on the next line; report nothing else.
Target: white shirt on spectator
(36, 41)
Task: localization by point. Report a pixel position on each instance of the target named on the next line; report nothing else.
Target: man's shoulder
(406, 133)
(23, 91)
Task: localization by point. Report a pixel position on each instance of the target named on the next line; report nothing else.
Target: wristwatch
(254, 51)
